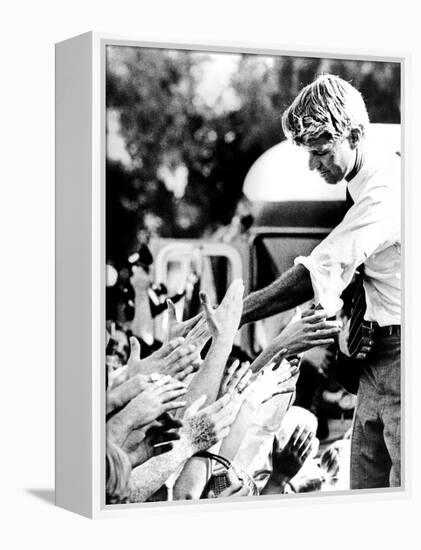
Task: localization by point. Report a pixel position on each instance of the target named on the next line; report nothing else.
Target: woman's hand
(237, 378)
(120, 394)
(158, 398)
(145, 443)
(272, 380)
(203, 427)
(176, 359)
(284, 377)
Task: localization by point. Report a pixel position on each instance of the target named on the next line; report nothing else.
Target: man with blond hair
(329, 120)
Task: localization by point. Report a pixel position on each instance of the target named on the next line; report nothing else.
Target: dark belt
(377, 330)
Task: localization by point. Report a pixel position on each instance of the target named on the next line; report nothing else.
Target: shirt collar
(355, 183)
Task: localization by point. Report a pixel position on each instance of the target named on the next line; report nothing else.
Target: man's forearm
(289, 290)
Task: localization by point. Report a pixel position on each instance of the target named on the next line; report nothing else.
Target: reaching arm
(192, 480)
(156, 399)
(288, 461)
(244, 419)
(201, 429)
(142, 324)
(176, 358)
(147, 478)
(223, 324)
(208, 380)
(264, 386)
(289, 290)
(305, 333)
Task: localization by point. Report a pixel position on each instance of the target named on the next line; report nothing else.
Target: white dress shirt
(369, 234)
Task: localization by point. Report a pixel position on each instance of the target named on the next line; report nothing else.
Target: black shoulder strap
(218, 458)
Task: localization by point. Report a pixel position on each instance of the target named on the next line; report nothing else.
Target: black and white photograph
(210, 235)
(253, 275)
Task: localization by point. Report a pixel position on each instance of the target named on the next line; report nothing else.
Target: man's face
(333, 159)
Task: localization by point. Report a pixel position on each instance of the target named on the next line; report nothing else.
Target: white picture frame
(80, 272)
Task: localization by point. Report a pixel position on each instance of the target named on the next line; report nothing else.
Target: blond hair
(118, 470)
(329, 105)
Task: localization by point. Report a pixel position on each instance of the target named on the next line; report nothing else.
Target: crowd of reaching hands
(190, 421)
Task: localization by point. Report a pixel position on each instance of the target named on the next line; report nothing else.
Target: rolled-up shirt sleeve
(326, 284)
(370, 226)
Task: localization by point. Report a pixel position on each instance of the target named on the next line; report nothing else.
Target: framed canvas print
(228, 225)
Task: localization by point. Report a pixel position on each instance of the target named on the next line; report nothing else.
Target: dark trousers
(376, 435)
